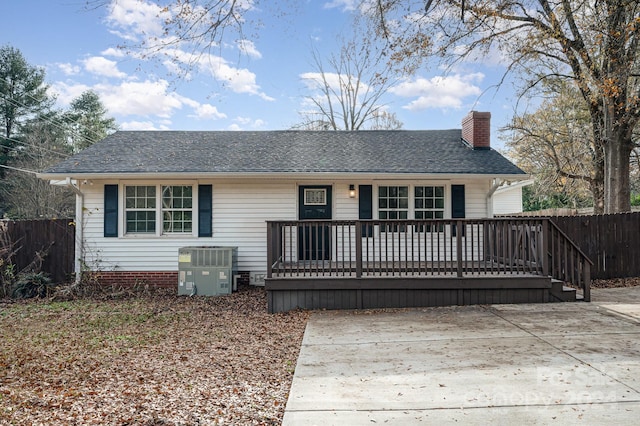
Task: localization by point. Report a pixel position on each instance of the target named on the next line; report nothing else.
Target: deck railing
(442, 247)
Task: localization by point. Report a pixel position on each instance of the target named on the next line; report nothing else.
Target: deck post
(358, 249)
(270, 227)
(544, 255)
(586, 289)
(459, 225)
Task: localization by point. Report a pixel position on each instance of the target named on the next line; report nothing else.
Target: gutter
(79, 251)
(304, 175)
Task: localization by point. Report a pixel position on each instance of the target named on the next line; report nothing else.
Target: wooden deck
(403, 292)
(390, 264)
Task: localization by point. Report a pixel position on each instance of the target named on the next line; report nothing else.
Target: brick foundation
(163, 279)
(157, 279)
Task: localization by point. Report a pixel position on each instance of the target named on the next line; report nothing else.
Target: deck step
(561, 292)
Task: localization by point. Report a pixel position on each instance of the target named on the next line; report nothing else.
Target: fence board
(611, 241)
(31, 236)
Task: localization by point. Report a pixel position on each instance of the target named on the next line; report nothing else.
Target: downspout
(79, 252)
(494, 186)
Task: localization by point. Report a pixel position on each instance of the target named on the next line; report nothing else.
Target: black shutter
(457, 204)
(111, 210)
(365, 192)
(205, 202)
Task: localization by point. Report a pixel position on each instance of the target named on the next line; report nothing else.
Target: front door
(314, 241)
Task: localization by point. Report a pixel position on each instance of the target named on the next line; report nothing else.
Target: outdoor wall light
(352, 191)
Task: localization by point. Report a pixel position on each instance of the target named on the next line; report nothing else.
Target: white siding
(508, 200)
(475, 198)
(240, 212)
(344, 207)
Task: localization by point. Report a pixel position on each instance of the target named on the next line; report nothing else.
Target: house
(507, 199)
(142, 195)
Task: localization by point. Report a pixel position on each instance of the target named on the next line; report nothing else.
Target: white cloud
(143, 99)
(207, 112)
(246, 122)
(234, 127)
(147, 98)
(249, 48)
(346, 5)
(242, 120)
(142, 22)
(136, 17)
(103, 67)
(69, 69)
(314, 80)
(65, 93)
(239, 80)
(116, 53)
(439, 91)
(140, 125)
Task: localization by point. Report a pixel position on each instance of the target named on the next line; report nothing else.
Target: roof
(512, 186)
(283, 152)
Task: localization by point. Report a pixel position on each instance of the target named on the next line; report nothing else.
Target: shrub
(30, 285)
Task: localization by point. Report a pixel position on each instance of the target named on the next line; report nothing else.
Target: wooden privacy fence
(30, 237)
(611, 241)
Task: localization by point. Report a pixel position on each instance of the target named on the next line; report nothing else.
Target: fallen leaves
(616, 282)
(153, 360)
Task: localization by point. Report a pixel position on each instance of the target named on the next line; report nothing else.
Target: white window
(393, 202)
(147, 205)
(419, 202)
(429, 202)
(140, 209)
(315, 197)
(177, 209)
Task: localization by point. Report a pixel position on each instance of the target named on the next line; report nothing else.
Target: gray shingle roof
(398, 151)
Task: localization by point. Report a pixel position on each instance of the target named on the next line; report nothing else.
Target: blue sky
(253, 85)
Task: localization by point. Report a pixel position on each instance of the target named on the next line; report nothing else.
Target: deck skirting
(285, 294)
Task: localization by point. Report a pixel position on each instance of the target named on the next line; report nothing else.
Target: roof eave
(280, 176)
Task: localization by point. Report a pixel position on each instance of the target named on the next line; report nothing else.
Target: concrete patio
(555, 363)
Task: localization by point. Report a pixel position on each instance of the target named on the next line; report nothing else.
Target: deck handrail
(570, 241)
(433, 247)
(570, 265)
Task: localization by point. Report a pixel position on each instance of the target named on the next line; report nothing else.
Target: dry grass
(152, 360)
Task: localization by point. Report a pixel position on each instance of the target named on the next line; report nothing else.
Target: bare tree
(346, 94)
(556, 146)
(27, 197)
(188, 33)
(593, 43)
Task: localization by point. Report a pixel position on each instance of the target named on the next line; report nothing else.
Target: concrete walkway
(560, 363)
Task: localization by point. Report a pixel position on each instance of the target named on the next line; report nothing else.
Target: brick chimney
(476, 129)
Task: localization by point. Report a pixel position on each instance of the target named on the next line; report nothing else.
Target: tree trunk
(597, 184)
(617, 191)
(597, 189)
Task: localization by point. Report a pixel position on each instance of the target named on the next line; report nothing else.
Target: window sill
(156, 236)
